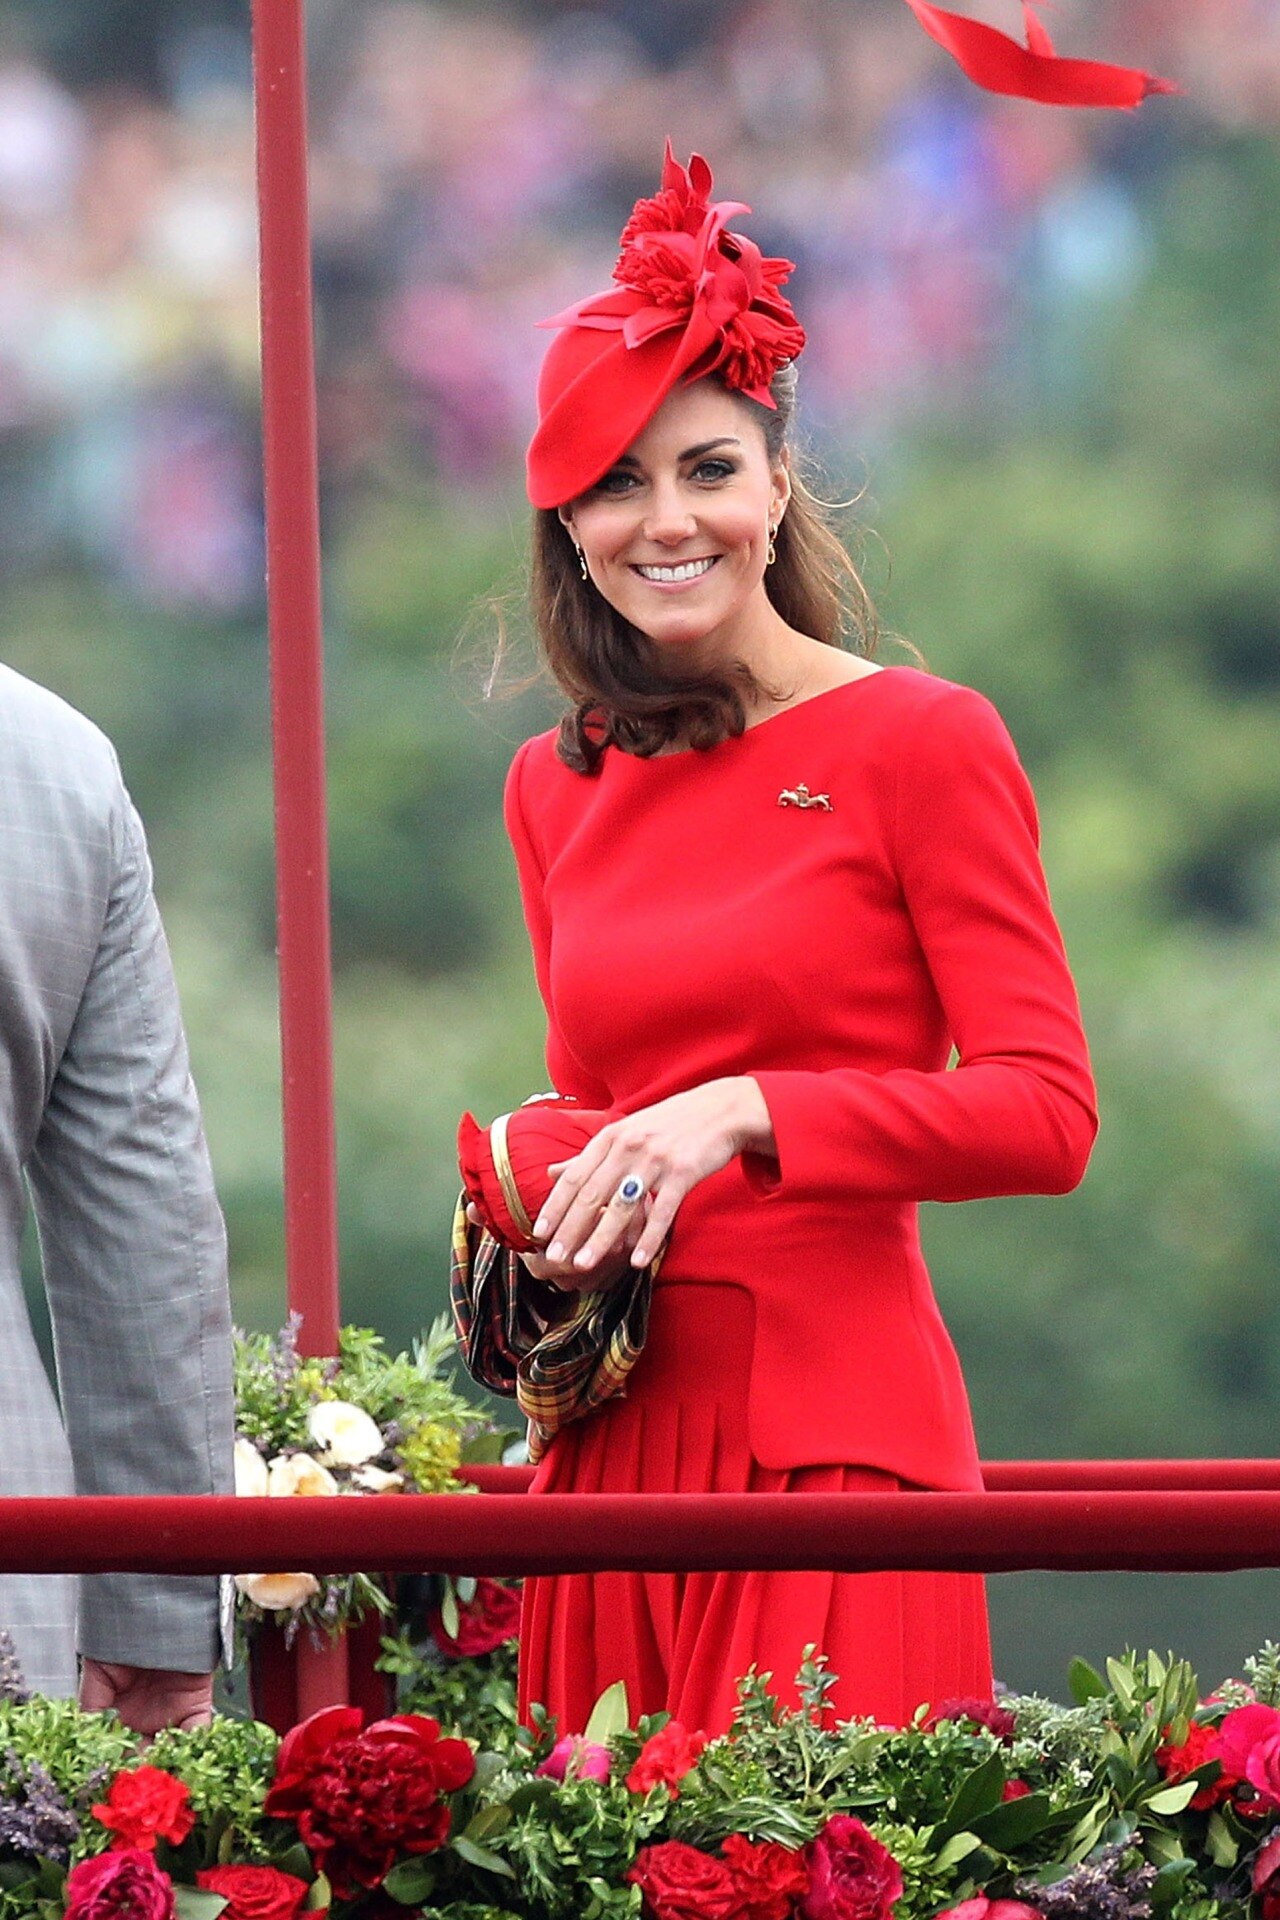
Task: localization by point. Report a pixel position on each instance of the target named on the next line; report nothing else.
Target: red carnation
(770, 1878)
(1201, 1745)
(123, 1884)
(488, 1621)
(146, 1804)
(255, 1893)
(665, 1758)
(359, 1799)
(984, 1713)
(851, 1875)
(681, 1883)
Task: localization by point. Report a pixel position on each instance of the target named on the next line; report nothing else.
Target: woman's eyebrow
(705, 446)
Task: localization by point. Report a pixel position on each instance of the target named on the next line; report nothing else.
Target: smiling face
(676, 534)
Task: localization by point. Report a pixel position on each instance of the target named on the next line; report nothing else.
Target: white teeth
(688, 570)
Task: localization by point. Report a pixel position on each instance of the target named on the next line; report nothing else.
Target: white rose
(377, 1480)
(347, 1436)
(275, 1590)
(298, 1473)
(250, 1468)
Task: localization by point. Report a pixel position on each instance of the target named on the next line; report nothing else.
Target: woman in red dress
(769, 886)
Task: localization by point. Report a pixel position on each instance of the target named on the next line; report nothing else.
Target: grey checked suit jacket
(98, 1118)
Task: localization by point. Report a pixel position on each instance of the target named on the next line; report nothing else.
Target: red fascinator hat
(504, 1166)
(689, 298)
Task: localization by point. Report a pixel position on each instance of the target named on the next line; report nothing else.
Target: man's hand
(147, 1698)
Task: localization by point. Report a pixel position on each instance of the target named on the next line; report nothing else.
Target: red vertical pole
(297, 720)
(297, 679)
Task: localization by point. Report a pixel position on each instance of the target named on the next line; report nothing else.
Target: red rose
(665, 1758)
(146, 1804)
(255, 1893)
(361, 1799)
(770, 1878)
(1249, 1747)
(1266, 1878)
(491, 1619)
(851, 1875)
(984, 1713)
(123, 1884)
(980, 1908)
(1201, 1745)
(680, 1883)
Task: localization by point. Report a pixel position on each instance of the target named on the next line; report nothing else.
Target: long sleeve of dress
(1017, 1114)
(568, 1075)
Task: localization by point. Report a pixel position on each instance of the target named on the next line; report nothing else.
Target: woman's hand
(572, 1279)
(669, 1147)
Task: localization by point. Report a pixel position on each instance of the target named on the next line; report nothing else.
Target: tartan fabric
(557, 1354)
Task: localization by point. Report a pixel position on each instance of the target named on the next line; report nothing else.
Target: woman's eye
(713, 470)
(617, 482)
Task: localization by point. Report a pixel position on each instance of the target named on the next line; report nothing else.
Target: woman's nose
(669, 519)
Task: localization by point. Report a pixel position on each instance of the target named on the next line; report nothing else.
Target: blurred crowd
(471, 168)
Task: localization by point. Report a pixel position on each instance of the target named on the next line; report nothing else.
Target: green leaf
(410, 1882)
(1169, 1882)
(197, 1903)
(296, 1861)
(1014, 1822)
(449, 1611)
(477, 1856)
(1173, 1799)
(1085, 1682)
(1084, 1835)
(1120, 1674)
(319, 1895)
(977, 1794)
(466, 1585)
(957, 1848)
(610, 1715)
(488, 1822)
(1224, 1848)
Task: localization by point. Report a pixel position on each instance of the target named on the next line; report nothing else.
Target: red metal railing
(1206, 1530)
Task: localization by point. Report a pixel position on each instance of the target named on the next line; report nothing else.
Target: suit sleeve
(1017, 1114)
(567, 1073)
(135, 1266)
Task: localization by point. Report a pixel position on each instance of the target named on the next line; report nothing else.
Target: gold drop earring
(582, 560)
(772, 554)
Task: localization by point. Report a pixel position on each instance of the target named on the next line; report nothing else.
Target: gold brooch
(801, 797)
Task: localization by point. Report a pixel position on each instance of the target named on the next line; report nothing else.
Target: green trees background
(1100, 558)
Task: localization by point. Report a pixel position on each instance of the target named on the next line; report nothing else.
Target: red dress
(686, 925)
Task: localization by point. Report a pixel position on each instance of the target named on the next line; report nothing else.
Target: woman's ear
(780, 488)
(566, 521)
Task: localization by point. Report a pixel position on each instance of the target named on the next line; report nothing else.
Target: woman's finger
(568, 1185)
(661, 1219)
(616, 1220)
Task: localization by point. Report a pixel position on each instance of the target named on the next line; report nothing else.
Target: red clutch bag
(504, 1165)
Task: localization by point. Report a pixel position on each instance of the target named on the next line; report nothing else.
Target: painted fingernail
(540, 1227)
(555, 1251)
(639, 1259)
(582, 1259)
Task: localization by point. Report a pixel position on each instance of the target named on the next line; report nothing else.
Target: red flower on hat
(681, 268)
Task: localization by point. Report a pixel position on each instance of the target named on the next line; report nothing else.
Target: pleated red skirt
(681, 1641)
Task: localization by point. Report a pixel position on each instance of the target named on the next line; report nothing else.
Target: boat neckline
(770, 720)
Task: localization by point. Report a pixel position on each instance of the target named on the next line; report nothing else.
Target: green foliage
(227, 1767)
(474, 1697)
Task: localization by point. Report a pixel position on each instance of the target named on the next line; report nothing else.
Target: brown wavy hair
(614, 677)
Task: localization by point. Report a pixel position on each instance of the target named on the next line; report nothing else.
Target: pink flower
(980, 1908)
(584, 1759)
(124, 1884)
(851, 1875)
(1249, 1746)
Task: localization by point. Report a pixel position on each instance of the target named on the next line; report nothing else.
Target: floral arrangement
(365, 1422)
(1143, 1801)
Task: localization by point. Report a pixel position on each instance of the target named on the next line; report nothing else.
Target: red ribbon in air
(1035, 72)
